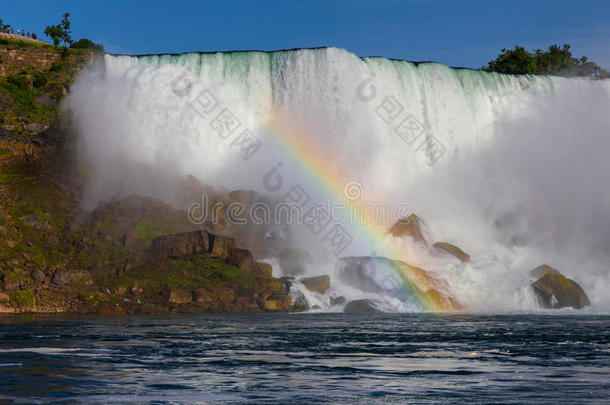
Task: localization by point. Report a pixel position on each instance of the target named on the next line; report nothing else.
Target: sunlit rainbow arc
(293, 138)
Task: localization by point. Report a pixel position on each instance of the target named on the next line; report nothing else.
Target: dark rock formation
(543, 270)
(554, 290)
(72, 278)
(364, 306)
(179, 296)
(410, 226)
(318, 284)
(398, 279)
(243, 259)
(180, 244)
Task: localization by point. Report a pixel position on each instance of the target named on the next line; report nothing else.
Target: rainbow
(291, 138)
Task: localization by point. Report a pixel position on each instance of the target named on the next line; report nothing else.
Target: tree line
(62, 32)
(556, 61)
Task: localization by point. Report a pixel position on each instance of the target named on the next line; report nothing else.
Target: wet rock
(286, 282)
(294, 262)
(299, 301)
(241, 258)
(318, 284)
(180, 244)
(364, 306)
(213, 295)
(220, 247)
(412, 226)
(453, 250)
(385, 276)
(337, 301)
(72, 278)
(277, 302)
(554, 290)
(179, 296)
(543, 270)
(264, 270)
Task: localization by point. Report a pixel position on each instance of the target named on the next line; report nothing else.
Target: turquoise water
(305, 358)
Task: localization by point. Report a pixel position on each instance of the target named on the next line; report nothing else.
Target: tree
(85, 43)
(556, 61)
(65, 27)
(4, 27)
(516, 61)
(60, 32)
(54, 32)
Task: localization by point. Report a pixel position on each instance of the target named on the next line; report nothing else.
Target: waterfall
(511, 168)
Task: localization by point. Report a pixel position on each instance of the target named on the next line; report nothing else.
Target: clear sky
(457, 33)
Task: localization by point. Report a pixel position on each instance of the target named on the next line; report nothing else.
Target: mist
(517, 180)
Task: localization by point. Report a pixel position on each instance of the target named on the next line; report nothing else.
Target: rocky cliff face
(133, 255)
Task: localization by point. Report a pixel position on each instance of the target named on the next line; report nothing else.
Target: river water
(305, 358)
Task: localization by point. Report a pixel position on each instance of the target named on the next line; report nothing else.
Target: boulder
(543, 270)
(39, 276)
(364, 306)
(264, 270)
(554, 290)
(241, 258)
(220, 247)
(453, 250)
(179, 296)
(180, 244)
(318, 284)
(336, 301)
(299, 302)
(72, 278)
(397, 279)
(410, 226)
(286, 282)
(293, 262)
(277, 302)
(212, 295)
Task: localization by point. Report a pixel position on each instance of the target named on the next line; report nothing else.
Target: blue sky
(457, 33)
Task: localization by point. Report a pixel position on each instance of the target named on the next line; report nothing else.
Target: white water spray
(519, 180)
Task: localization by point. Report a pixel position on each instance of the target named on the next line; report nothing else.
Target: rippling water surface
(305, 358)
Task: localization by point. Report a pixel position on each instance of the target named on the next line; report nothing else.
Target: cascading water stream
(511, 168)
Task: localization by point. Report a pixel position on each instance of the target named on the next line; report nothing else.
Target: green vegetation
(25, 88)
(85, 43)
(556, 61)
(150, 228)
(60, 32)
(188, 273)
(23, 298)
(22, 43)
